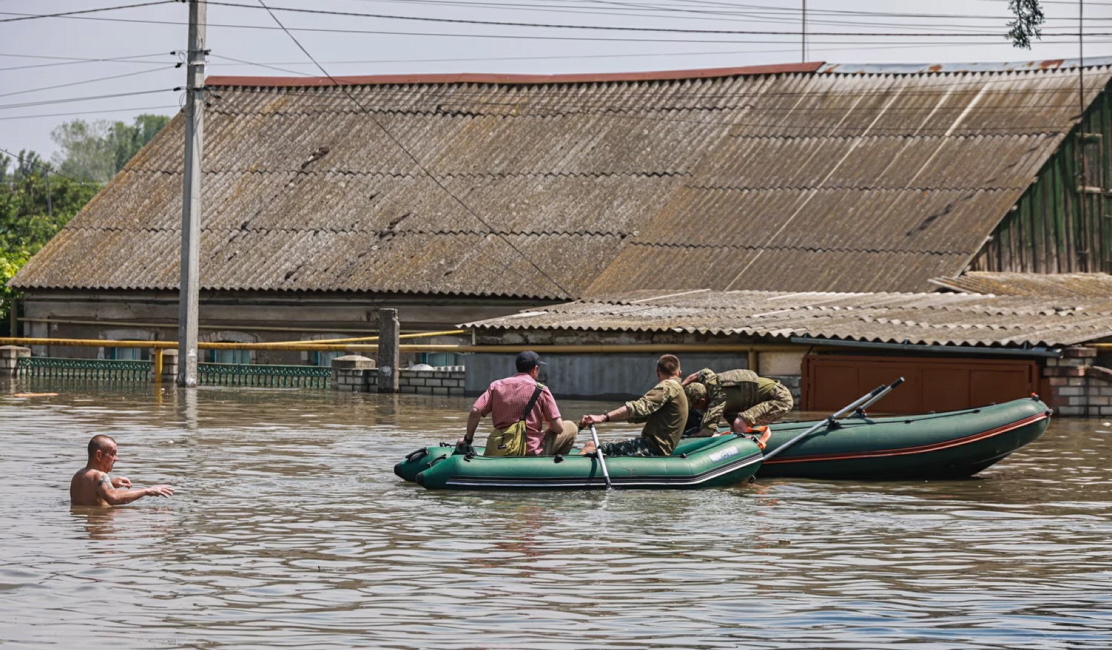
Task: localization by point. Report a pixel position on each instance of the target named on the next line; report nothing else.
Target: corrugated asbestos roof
(1091, 286)
(910, 318)
(804, 177)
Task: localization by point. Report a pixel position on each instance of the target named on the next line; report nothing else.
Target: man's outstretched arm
(117, 497)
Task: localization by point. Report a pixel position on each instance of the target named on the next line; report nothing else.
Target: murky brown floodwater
(289, 529)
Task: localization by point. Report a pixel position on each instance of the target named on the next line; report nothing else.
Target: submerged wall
(358, 374)
(1078, 386)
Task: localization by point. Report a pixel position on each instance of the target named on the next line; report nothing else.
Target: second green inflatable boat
(954, 444)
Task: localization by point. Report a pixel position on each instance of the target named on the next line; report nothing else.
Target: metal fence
(209, 374)
(99, 369)
(234, 374)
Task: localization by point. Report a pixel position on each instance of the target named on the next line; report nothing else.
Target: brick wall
(1078, 387)
(445, 380)
(357, 374)
(353, 373)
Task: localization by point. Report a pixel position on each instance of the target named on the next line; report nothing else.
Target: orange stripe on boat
(916, 450)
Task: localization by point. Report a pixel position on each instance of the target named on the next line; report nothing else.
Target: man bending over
(739, 399)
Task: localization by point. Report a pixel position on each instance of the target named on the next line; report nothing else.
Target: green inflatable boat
(954, 444)
(710, 462)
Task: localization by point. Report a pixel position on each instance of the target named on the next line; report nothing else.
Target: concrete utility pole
(388, 352)
(803, 32)
(191, 197)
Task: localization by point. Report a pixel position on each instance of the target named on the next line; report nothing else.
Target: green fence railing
(98, 369)
(208, 374)
(235, 374)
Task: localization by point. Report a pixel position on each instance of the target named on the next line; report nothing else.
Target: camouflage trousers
(766, 412)
(631, 447)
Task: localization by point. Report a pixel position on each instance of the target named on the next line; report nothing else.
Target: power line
(65, 14)
(78, 61)
(89, 98)
(718, 16)
(87, 81)
(840, 35)
(113, 110)
(418, 162)
(630, 10)
(780, 14)
(920, 89)
(263, 65)
(670, 30)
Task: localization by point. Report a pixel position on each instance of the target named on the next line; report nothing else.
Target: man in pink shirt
(507, 398)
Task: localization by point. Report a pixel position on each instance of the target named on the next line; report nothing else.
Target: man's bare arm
(118, 497)
(472, 423)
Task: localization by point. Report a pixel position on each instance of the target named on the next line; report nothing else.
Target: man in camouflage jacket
(663, 410)
(739, 399)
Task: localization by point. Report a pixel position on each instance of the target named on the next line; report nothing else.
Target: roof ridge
(386, 174)
(812, 249)
(511, 79)
(863, 188)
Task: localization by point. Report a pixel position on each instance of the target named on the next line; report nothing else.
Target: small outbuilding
(956, 350)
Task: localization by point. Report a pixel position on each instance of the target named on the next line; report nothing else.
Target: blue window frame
(323, 359)
(241, 357)
(128, 354)
(438, 359)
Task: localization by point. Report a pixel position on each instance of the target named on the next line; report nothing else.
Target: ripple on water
(289, 529)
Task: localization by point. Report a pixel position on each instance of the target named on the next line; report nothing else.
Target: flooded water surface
(289, 529)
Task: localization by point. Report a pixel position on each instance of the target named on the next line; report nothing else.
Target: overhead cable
(111, 110)
(88, 81)
(841, 35)
(65, 14)
(670, 30)
(70, 100)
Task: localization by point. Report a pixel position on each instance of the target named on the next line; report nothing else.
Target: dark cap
(528, 360)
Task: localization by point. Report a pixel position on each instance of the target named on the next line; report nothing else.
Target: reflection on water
(289, 529)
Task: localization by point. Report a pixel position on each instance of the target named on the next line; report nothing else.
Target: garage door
(832, 381)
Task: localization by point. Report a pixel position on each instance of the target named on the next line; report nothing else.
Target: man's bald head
(100, 443)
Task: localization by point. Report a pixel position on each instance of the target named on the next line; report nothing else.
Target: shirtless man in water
(91, 486)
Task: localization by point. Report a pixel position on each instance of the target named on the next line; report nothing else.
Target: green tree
(1028, 22)
(95, 151)
(35, 202)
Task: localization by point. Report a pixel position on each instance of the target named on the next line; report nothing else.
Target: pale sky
(39, 55)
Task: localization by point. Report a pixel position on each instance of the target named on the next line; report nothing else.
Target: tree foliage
(38, 198)
(1028, 22)
(35, 202)
(95, 151)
